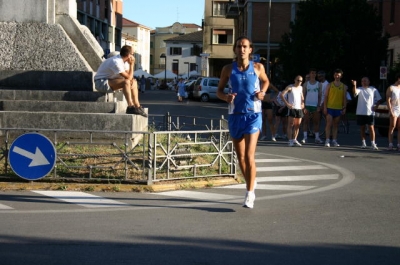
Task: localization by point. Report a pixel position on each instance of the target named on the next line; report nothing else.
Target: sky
(163, 13)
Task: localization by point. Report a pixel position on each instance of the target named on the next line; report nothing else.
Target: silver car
(205, 88)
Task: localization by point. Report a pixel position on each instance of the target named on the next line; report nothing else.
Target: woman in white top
(295, 104)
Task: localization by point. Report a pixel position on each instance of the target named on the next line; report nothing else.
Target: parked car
(205, 88)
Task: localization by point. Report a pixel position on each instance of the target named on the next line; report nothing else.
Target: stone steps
(69, 110)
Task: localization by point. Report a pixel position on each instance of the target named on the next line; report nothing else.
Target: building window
(222, 36)
(219, 8)
(195, 50)
(392, 8)
(175, 51)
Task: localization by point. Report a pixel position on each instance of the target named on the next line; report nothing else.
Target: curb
(88, 187)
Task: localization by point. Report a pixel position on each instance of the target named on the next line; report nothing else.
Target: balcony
(233, 9)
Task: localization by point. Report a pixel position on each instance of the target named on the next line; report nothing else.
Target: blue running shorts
(241, 124)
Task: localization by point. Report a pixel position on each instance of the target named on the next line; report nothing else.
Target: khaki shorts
(101, 85)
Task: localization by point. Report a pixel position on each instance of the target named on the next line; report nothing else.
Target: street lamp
(165, 66)
(188, 69)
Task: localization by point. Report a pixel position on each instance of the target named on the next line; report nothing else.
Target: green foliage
(330, 34)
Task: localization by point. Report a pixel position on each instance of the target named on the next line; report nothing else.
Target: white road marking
(204, 196)
(270, 187)
(289, 168)
(278, 160)
(298, 178)
(5, 207)
(82, 199)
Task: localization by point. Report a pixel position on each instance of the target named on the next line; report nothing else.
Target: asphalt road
(314, 205)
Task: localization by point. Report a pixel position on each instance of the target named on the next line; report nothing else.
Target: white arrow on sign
(38, 159)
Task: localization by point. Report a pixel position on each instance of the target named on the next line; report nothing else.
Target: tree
(330, 34)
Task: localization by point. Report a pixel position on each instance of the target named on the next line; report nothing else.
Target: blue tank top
(245, 84)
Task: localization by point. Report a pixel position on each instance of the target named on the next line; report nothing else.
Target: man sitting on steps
(112, 74)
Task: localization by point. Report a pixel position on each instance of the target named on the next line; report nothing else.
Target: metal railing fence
(134, 156)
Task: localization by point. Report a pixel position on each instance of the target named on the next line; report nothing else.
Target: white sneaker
(327, 143)
(249, 200)
(374, 147)
(390, 148)
(296, 143)
(318, 141)
(291, 144)
(363, 146)
(335, 144)
(273, 139)
(304, 141)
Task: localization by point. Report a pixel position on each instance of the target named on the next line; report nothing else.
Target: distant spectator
(142, 84)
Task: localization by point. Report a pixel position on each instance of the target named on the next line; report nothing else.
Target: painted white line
(290, 168)
(277, 160)
(270, 187)
(298, 178)
(82, 199)
(204, 196)
(5, 207)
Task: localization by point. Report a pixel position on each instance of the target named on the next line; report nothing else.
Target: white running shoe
(390, 148)
(273, 139)
(318, 141)
(363, 146)
(304, 141)
(335, 144)
(291, 143)
(249, 200)
(327, 143)
(296, 143)
(374, 147)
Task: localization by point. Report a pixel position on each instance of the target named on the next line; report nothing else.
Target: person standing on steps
(248, 83)
(368, 100)
(112, 74)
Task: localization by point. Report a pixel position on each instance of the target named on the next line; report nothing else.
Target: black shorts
(365, 120)
(296, 113)
(266, 105)
(283, 113)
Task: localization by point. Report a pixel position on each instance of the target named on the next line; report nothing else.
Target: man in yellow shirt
(334, 106)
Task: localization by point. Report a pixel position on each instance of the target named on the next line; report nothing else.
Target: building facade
(264, 22)
(141, 46)
(184, 53)
(104, 20)
(218, 38)
(159, 54)
(389, 10)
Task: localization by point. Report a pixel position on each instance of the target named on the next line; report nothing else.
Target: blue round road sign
(32, 156)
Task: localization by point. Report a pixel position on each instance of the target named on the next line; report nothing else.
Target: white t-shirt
(111, 68)
(312, 93)
(367, 97)
(395, 97)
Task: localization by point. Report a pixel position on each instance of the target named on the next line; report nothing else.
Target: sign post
(32, 156)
